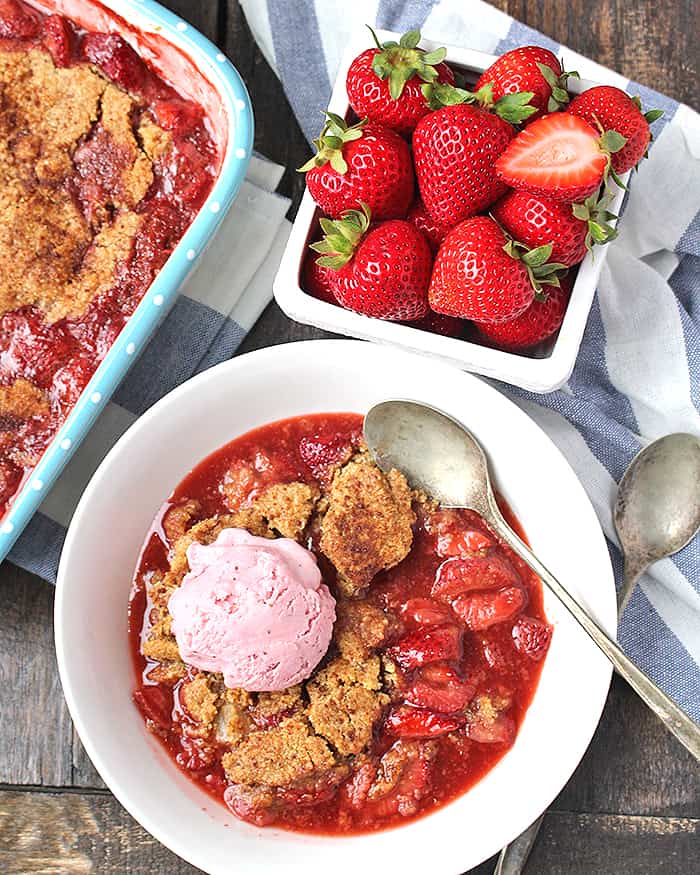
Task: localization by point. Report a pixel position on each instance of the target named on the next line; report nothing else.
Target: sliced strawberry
(531, 637)
(402, 778)
(427, 645)
(321, 454)
(495, 654)
(481, 610)
(558, 156)
(425, 612)
(178, 116)
(408, 722)
(115, 57)
(498, 731)
(17, 21)
(463, 543)
(156, 704)
(59, 38)
(457, 576)
(438, 687)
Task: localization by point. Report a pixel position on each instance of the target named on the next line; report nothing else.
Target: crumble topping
(22, 400)
(64, 234)
(367, 527)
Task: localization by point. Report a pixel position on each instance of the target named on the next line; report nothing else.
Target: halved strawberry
(427, 645)
(531, 637)
(481, 610)
(438, 687)
(457, 576)
(559, 156)
(425, 612)
(408, 722)
(495, 653)
(464, 543)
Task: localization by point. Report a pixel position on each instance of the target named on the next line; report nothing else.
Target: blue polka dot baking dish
(189, 62)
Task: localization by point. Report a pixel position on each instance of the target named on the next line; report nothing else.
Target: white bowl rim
(181, 843)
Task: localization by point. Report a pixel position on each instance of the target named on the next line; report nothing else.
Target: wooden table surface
(633, 805)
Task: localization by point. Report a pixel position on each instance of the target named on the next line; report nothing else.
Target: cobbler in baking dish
(370, 675)
(102, 168)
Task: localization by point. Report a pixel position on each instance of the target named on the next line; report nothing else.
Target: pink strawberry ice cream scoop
(254, 609)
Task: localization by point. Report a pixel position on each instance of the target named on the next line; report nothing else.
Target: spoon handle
(675, 719)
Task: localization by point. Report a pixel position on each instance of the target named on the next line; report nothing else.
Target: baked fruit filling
(436, 648)
(102, 168)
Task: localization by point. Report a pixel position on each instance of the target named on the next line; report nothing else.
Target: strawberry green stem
(342, 237)
(399, 62)
(334, 135)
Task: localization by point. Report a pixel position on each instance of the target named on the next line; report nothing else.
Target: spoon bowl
(657, 511)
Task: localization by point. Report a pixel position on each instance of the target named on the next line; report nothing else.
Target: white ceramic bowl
(553, 366)
(118, 506)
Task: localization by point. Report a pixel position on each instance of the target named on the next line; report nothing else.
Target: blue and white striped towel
(638, 372)
(219, 304)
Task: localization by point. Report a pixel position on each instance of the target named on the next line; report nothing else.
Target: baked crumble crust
(22, 400)
(72, 170)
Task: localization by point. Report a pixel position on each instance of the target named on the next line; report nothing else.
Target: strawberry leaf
(441, 94)
(550, 76)
(515, 108)
(653, 115)
(612, 142)
(580, 211)
(437, 56)
(537, 257)
(329, 146)
(410, 39)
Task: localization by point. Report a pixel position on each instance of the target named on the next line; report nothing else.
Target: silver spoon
(657, 511)
(438, 454)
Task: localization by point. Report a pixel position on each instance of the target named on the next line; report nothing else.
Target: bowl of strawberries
(458, 205)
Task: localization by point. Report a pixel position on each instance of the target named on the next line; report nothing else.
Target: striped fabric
(219, 304)
(638, 373)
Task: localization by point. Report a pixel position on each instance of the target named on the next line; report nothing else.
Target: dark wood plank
(655, 43)
(75, 833)
(35, 728)
(205, 16)
(277, 133)
(633, 765)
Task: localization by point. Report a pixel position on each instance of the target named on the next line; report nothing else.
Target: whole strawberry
(318, 280)
(529, 68)
(438, 323)
(384, 83)
(479, 275)
(454, 150)
(558, 156)
(381, 270)
(610, 108)
(541, 320)
(570, 228)
(365, 162)
(433, 231)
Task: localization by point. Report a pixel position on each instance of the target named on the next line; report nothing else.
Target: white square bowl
(544, 373)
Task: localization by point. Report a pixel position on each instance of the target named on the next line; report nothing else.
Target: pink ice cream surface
(254, 609)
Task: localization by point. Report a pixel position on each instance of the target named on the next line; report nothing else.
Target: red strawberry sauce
(430, 705)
